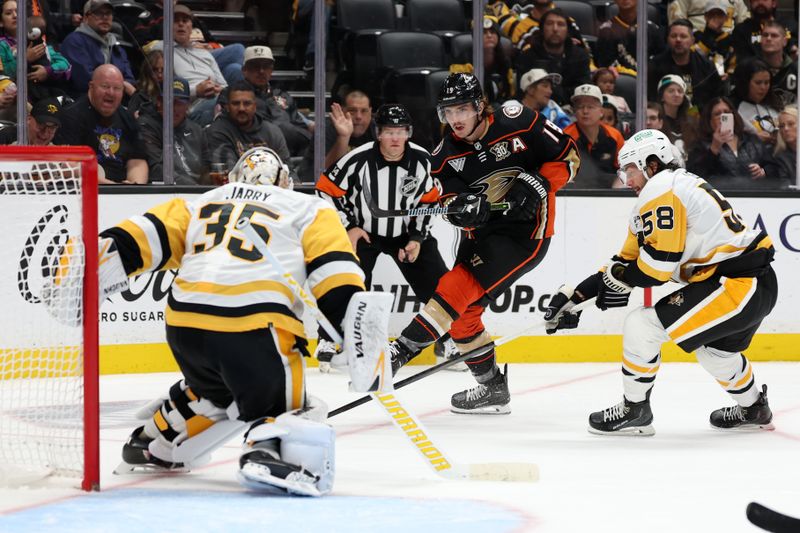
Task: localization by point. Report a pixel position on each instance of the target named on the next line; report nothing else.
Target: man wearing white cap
(537, 86)
(273, 104)
(598, 143)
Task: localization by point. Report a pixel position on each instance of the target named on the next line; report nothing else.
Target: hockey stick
(402, 418)
(770, 520)
(417, 211)
(450, 362)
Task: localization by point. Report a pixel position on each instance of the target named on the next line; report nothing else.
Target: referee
(398, 175)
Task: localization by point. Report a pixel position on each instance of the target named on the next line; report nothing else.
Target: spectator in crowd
(273, 104)
(702, 79)
(537, 88)
(731, 159)
(786, 147)
(189, 164)
(616, 39)
(606, 79)
(524, 20)
(695, 10)
(8, 99)
(148, 86)
(598, 144)
(554, 52)
(714, 41)
(784, 71)
(98, 120)
(44, 119)
(497, 69)
(229, 58)
(610, 116)
(654, 119)
(348, 127)
(196, 65)
(679, 120)
(746, 35)
(92, 44)
(756, 102)
(241, 128)
(48, 70)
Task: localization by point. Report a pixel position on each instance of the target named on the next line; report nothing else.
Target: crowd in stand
(722, 84)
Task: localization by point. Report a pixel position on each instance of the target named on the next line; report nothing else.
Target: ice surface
(687, 478)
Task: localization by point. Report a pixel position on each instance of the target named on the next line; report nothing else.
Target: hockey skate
(754, 417)
(625, 418)
(136, 457)
(445, 350)
(324, 353)
(400, 355)
(261, 470)
(490, 398)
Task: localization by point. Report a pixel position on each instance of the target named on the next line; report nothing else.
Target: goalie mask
(261, 166)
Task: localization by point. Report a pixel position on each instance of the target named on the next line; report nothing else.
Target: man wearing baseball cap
(598, 143)
(714, 42)
(273, 104)
(44, 119)
(537, 89)
(188, 139)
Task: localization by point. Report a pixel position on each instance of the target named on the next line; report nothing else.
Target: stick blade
(509, 472)
(770, 520)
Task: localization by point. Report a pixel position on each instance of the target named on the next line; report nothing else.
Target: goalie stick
(450, 362)
(377, 212)
(403, 419)
(770, 520)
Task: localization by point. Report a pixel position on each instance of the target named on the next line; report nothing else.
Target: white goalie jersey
(224, 283)
(682, 228)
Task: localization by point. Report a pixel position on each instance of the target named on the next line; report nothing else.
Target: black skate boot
(490, 398)
(137, 457)
(400, 355)
(625, 418)
(757, 416)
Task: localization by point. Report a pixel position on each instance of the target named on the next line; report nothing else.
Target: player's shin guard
(431, 323)
(643, 336)
(732, 371)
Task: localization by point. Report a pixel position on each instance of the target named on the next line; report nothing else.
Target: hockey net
(49, 407)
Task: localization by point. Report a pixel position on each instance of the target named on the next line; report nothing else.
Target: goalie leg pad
(184, 427)
(366, 341)
(291, 453)
(643, 336)
(733, 372)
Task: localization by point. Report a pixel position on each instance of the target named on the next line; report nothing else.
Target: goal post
(49, 373)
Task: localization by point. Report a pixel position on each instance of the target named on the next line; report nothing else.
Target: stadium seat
(626, 88)
(440, 16)
(419, 95)
(583, 14)
(398, 50)
(653, 14)
(461, 48)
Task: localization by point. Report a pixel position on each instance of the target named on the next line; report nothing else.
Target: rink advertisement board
(589, 230)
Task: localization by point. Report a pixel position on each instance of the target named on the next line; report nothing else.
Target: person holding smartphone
(729, 157)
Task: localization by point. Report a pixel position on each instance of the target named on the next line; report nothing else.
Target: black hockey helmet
(392, 116)
(458, 88)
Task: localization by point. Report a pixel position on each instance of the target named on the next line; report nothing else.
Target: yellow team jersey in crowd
(223, 283)
(682, 228)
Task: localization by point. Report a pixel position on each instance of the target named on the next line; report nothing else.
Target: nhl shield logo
(675, 299)
(409, 185)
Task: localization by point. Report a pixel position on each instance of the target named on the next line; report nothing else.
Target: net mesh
(41, 341)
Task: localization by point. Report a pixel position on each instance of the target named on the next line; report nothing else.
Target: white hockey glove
(613, 292)
(366, 342)
(557, 315)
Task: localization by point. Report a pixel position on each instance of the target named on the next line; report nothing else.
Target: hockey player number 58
(219, 216)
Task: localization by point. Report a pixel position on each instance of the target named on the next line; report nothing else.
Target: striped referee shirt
(402, 184)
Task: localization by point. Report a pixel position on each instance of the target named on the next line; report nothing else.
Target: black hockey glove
(557, 315)
(612, 291)
(525, 196)
(474, 210)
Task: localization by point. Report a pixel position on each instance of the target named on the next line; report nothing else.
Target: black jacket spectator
(227, 142)
(746, 37)
(703, 81)
(190, 167)
(616, 44)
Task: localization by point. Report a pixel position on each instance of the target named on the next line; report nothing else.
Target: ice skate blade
(749, 428)
(636, 431)
(488, 410)
(258, 478)
(124, 469)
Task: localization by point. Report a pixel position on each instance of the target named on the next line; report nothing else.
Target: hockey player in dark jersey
(513, 155)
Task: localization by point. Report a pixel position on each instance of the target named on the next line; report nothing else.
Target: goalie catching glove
(557, 315)
(473, 210)
(527, 193)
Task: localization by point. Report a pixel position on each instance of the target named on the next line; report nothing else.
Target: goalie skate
(137, 459)
(625, 418)
(490, 398)
(260, 471)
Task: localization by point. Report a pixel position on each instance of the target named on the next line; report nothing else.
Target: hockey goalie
(235, 329)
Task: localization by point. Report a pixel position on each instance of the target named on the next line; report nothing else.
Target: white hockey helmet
(644, 144)
(260, 166)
